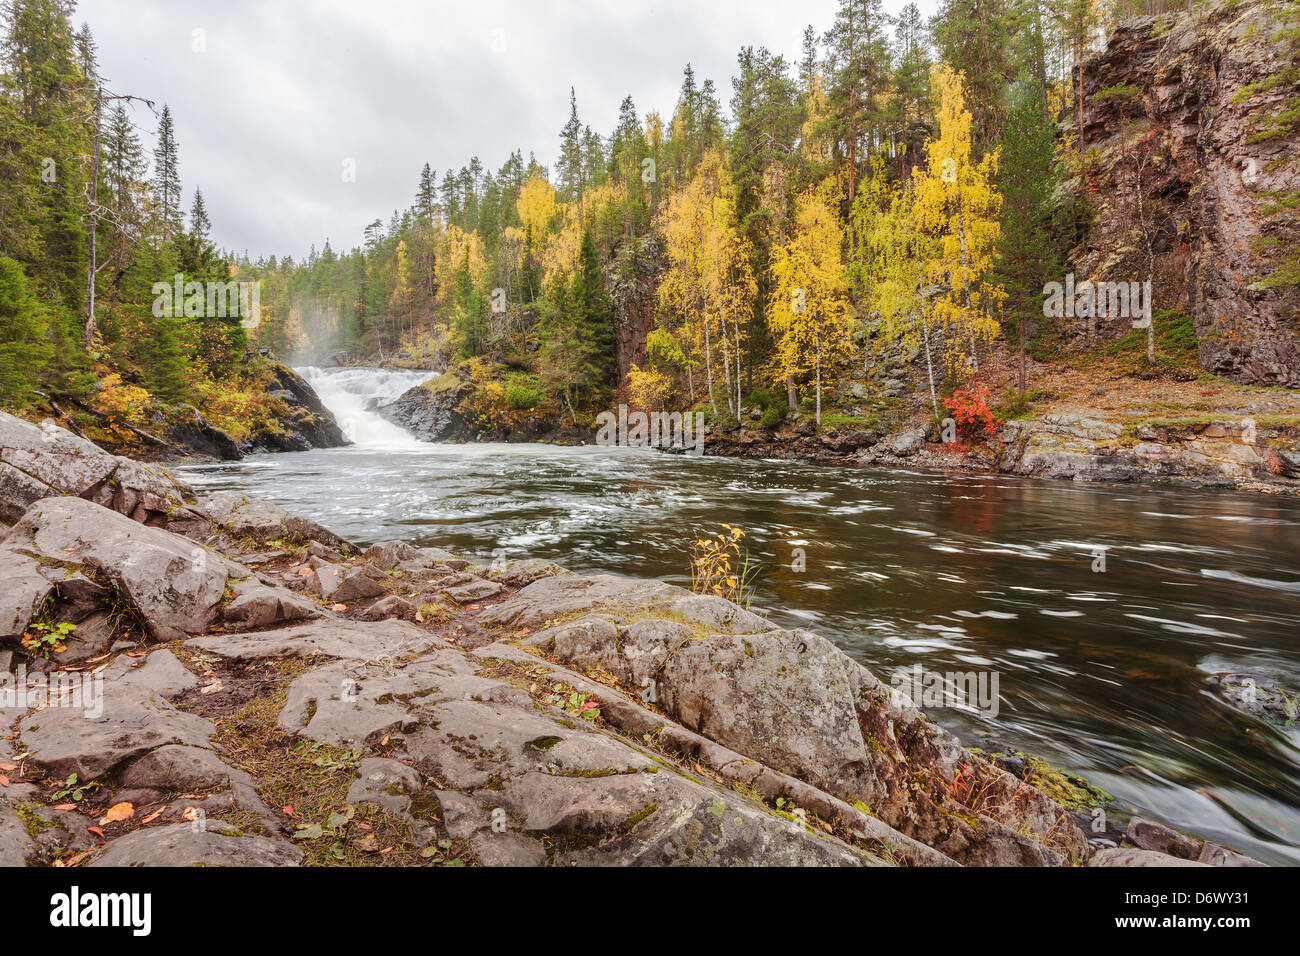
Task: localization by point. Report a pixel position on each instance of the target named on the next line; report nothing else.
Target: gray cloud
(283, 93)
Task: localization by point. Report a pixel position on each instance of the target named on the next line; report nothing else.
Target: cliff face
(1177, 187)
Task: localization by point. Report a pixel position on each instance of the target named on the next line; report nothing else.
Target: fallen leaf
(118, 812)
(137, 653)
(98, 832)
(387, 849)
(153, 816)
(6, 767)
(288, 811)
(190, 814)
(338, 607)
(73, 860)
(65, 806)
(211, 688)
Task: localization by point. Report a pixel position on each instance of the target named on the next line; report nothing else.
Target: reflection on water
(1101, 672)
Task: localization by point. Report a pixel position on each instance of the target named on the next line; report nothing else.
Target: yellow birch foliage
(957, 202)
(810, 311)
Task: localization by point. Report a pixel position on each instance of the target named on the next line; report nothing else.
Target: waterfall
(353, 394)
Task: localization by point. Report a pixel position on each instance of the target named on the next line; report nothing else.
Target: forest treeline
(903, 181)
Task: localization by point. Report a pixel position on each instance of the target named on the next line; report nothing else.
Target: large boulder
(41, 461)
(791, 701)
(70, 550)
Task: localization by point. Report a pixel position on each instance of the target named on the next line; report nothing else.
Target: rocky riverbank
(1230, 450)
(277, 410)
(207, 679)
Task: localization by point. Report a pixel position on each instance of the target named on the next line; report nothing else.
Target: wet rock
(307, 423)
(1214, 855)
(1148, 835)
(189, 429)
(187, 844)
(1258, 696)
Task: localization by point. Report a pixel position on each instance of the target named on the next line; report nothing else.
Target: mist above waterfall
(354, 395)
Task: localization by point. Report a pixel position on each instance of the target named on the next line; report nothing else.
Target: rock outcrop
(235, 710)
(1178, 186)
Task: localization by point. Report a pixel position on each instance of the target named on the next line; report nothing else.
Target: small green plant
(72, 789)
(580, 705)
(49, 638)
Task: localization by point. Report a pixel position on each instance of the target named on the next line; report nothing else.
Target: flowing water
(1100, 671)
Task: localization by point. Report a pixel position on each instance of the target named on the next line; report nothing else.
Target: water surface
(1099, 671)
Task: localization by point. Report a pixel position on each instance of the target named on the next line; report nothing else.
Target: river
(1102, 671)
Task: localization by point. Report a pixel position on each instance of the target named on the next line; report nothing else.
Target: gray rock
(241, 516)
(359, 583)
(1214, 855)
(187, 844)
(386, 783)
(258, 605)
(66, 740)
(393, 606)
(1148, 835)
(327, 637)
(906, 443)
(172, 583)
(16, 845)
(1123, 856)
(42, 461)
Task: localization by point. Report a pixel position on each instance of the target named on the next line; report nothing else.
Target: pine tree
(1027, 247)
(24, 350)
(859, 63)
(167, 179)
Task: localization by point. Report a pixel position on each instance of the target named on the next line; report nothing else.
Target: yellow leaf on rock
(118, 812)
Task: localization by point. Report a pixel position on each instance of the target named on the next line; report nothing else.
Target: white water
(354, 394)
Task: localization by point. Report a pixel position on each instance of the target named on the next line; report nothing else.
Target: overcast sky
(271, 99)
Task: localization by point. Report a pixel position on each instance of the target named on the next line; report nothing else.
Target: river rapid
(1101, 664)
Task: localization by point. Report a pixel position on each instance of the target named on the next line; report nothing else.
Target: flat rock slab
(65, 740)
(241, 516)
(1123, 856)
(550, 598)
(188, 844)
(327, 637)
